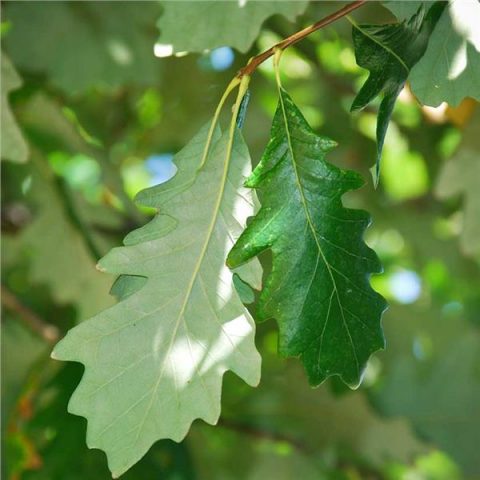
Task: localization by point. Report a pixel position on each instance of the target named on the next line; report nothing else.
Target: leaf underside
(389, 52)
(154, 362)
(318, 290)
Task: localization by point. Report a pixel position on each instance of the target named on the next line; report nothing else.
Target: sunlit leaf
(154, 362)
(449, 70)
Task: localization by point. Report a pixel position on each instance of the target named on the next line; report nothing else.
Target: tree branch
(48, 332)
(262, 434)
(296, 37)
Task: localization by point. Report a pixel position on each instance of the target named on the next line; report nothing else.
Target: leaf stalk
(254, 62)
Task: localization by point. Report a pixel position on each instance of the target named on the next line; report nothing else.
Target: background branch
(30, 319)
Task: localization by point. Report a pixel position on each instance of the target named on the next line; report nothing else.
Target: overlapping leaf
(449, 70)
(154, 362)
(14, 147)
(318, 289)
(232, 22)
(389, 52)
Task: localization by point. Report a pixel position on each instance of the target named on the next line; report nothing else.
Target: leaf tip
(100, 268)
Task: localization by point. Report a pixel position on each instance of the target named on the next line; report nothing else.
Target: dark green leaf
(389, 52)
(319, 289)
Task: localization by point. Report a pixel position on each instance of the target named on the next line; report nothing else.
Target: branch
(48, 332)
(296, 37)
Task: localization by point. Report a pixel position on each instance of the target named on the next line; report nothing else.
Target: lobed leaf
(154, 362)
(318, 289)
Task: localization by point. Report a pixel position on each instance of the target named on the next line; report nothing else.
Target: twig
(49, 333)
(296, 37)
(261, 434)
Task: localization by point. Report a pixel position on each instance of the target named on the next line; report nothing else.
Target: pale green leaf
(195, 26)
(154, 362)
(14, 147)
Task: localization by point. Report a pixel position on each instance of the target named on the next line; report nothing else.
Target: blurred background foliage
(90, 116)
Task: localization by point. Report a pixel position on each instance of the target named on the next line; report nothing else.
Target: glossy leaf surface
(318, 290)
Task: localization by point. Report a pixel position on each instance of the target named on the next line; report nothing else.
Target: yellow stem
(242, 90)
(276, 66)
(231, 86)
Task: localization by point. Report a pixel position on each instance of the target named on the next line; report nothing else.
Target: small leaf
(318, 289)
(389, 52)
(154, 362)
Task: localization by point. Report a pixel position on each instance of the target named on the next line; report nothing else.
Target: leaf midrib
(190, 286)
(312, 227)
(373, 39)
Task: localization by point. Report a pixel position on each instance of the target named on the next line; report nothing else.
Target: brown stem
(261, 434)
(46, 331)
(296, 37)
